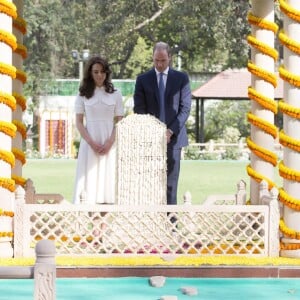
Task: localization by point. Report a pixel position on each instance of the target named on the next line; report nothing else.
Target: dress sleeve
(119, 110)
(79, 105)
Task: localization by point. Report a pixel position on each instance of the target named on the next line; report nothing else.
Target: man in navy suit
(172, 107)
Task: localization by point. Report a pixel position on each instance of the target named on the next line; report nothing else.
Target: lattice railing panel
(157, 230)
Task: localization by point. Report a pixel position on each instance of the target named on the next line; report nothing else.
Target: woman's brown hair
(87, 85)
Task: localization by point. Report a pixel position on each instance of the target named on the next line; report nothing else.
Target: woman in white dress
(98, 107)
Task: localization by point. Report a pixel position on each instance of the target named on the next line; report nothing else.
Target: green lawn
(204, 177)
(200, 177)
(51, 175)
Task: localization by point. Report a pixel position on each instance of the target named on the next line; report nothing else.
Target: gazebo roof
(231, 84)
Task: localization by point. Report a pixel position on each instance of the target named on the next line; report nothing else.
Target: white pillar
(291, 128)
(262, 137)
(18, 56)
(7, 129)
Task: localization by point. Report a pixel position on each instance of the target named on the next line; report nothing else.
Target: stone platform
(187, 272)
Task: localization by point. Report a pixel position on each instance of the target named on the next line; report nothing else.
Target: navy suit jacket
(177, 102)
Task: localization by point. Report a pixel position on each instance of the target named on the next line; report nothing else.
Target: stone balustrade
(43, 272)
(106, 230)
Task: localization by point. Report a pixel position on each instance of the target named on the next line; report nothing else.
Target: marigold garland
(19, 155)
(289, 110)
(20, 24)
(8, 38)
(289, 77)
(7, 213)
(285, 246)
(262, 124)
(22, 50)
(7, 183)
(261, 99)
(260, 72)
(8, 70)
(196, 260)
(8, 8)
(262, 47)
(21, 75)
(288, 200)
(288, 231)
(289, 142)
(263, 153)
(288, 173)
(8, 100)
(259, 177)
(8, 128)
(289, 43)
(262, 23)
(19, 180)
(182, 260)
(21, 128)
(20, 100)
(289, 11)
(6, 234)
(8, 157)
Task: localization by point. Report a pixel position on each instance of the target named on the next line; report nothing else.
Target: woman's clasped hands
(101, 149)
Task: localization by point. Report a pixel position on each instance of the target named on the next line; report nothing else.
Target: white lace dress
(95, 174)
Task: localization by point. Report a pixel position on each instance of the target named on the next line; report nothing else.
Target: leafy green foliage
(205, 32)
(224, 114)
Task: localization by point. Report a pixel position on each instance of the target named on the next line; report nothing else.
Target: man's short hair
(162, 46)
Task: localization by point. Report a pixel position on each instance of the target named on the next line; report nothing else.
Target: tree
(205, 32)
(223, 114)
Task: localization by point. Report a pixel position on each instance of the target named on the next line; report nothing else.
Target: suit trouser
(173, 165)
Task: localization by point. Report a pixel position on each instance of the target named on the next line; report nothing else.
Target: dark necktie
(161, 88)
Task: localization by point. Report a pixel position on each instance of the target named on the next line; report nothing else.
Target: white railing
(218, 150)
(123, 230)
(222, 226)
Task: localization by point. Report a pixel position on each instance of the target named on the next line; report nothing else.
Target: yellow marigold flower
(8, 157)
(8, 100)
(289, 11)
(262, 47)
(288, 173)
(8, 38)
(291, 44)
(20, 24)
(262, 23)
(259, 177)
(263, 74)
(261, 99)
(262, 124)
(7, 183)
(289, 77)
(8, 70)
(20, 100)
(8, 8)
(8, 128)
